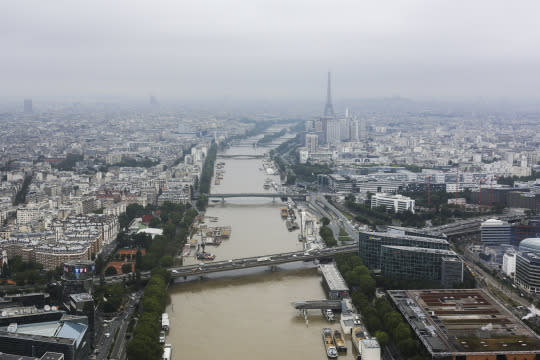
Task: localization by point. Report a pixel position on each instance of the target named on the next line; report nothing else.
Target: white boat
(167, 352)
(165, 322)
(329, 315)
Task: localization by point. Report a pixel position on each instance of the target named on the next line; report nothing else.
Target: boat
(187, 250)
(329, 345)
(165, 322)
(284, 213)
(266, 186)
(329, 314)
(167, 352)
(357, 334)
(340, 343)
(213, 241)
(217, 182)
(290, 225)
(205, 256)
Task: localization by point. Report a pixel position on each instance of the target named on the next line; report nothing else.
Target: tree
(166, 261)
(325, 221)
(392, 320)
(401, 332)
(382, 338)
(373, 323)
(407, 347)
(154, 223)
(110, 271)
(127, 268)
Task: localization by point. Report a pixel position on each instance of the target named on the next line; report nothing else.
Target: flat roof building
(336, 285)
(495, 232)
(465, 324)
(411, 257)
(396, 203)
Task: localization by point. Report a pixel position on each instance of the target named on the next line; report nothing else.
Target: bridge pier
(273, 268)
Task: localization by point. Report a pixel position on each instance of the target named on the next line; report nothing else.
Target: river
(247, 314)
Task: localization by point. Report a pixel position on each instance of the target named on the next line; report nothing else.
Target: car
(175, 271)
(107, 335)
(162, 337)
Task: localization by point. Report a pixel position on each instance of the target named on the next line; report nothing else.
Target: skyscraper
(28, 105)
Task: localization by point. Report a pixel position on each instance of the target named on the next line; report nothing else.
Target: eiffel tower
(329, 108)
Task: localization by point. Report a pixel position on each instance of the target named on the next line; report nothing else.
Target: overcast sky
(270, 49)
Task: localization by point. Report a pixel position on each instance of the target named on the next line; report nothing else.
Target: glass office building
(411, 257)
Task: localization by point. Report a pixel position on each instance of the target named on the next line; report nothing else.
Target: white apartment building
(509, 264)
(398, 203)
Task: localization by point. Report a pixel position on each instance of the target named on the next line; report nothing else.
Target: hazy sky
(270, 49)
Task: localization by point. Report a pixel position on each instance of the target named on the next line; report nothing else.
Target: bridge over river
(260, 195)
(241, 156)
(209, 267)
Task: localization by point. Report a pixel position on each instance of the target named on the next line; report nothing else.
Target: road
(110, 326)
(489, 280)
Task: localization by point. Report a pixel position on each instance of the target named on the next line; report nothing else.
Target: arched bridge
(248, 262)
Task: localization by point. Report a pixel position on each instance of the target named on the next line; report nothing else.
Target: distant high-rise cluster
(331, 129)
(28, 106)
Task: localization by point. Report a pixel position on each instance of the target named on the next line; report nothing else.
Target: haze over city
(270, 50)
(270, 179)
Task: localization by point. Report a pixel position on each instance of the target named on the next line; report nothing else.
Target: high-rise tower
(329, 108)
(28, 106)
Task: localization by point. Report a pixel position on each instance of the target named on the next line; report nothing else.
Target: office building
(67, 335)
(528, 272)
(422, 264)
(312, 142)
(77, 278)
(410, 257)
(495, 232)
(83, 305)
(509, 263)
(396, 203)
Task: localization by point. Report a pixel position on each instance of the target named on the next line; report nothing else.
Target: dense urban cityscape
(97, 202)
(269, 179)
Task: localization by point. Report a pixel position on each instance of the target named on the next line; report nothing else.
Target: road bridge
(469, 226)
(244, 263)
(260, 195)
(241, 156)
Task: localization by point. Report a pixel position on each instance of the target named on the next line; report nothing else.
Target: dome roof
(493, 222)
(530, 244)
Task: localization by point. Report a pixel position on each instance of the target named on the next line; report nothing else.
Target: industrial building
(411, 257)
(465, 324)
